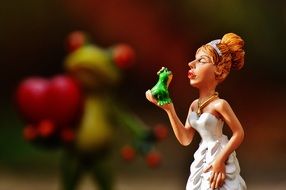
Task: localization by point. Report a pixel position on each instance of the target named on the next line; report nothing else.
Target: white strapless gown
(213, 141)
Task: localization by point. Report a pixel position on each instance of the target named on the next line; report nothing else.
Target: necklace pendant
(199, 112)
(202, 105)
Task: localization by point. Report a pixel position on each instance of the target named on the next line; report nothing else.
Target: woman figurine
(215, 165)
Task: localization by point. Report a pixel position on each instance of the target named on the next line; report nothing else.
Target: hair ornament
(214, 45)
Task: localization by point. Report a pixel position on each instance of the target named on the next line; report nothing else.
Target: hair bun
(235, 44)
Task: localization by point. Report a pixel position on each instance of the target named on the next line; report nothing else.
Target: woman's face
(202, 71)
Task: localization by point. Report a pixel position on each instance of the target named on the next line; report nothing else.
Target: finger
(213, 185)
(207, 169)
(149, 96)
(222, 179)
(212, 178)
(218, 180)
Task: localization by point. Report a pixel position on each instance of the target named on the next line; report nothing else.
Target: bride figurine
(215, 165)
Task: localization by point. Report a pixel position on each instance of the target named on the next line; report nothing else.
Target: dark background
(163, 33)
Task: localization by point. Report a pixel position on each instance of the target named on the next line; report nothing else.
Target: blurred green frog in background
(76, 111)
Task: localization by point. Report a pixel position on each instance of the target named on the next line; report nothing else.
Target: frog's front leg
(156, 94)
(164, 99)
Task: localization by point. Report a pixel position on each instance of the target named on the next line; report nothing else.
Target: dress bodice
(213, 142)
(208, 126)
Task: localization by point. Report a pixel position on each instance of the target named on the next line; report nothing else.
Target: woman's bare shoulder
(194, 105)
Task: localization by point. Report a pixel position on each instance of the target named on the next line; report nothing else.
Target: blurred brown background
(163, 33)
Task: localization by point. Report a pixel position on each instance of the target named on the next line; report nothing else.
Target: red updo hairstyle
(232, 54)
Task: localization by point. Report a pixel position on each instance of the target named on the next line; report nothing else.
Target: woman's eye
(202, 60)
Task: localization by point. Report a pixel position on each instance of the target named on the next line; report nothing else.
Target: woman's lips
(191, 74)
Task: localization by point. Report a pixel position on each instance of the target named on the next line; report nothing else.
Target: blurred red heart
(31, 98)
(64, 100)
(58, 99)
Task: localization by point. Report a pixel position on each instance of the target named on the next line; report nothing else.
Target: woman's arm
(184, 134)
(218, 166)
(224, 109)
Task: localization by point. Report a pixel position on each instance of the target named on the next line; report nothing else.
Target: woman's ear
(220, 74)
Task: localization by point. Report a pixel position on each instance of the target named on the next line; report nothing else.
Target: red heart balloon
(31, 98)
(58, 99)
(64, 100)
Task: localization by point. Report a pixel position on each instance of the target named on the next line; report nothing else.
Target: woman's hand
(151, 98)
(218, 174)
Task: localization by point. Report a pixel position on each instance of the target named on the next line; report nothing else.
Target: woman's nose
(192, 64)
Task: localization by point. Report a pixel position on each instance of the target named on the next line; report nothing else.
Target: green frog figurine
(160, 90)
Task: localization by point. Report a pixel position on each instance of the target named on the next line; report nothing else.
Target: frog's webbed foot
(158, 95)
(155, 93)
(164, 101)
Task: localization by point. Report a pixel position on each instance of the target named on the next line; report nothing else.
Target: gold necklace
(205, 103)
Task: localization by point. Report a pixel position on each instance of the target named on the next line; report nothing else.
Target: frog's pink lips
(191, 74)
